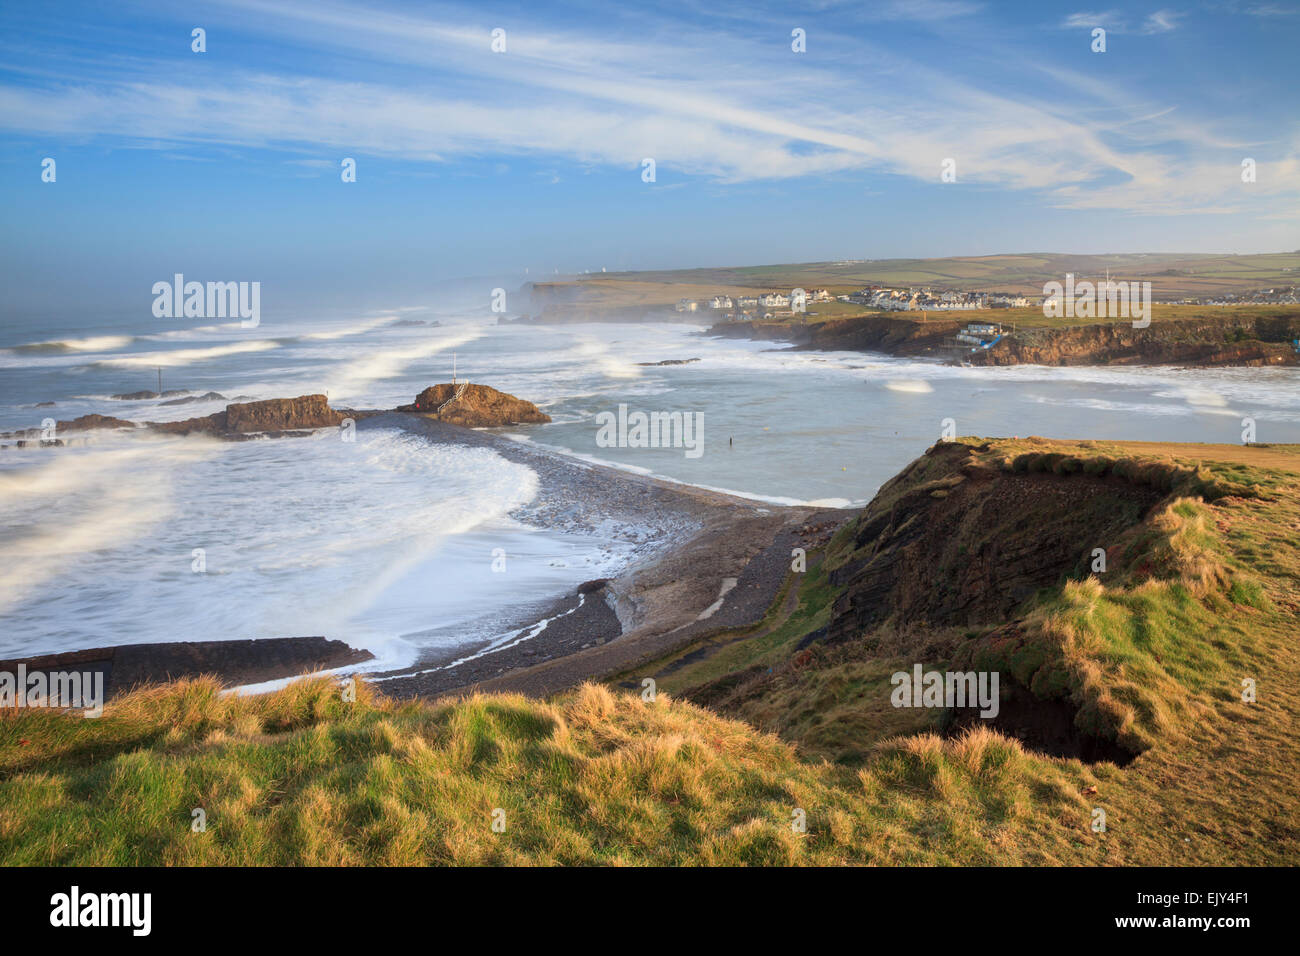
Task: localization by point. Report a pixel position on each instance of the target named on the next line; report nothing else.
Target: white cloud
(732, 112)
(1270, 10)
(1078, 21)
(1162, 21)
(925, 9)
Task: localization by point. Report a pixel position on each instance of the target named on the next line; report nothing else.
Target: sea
(395, 545)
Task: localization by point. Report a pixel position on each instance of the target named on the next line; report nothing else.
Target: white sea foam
(300, 537)
(89, 499)
(914, 386)
(350, 380)
(349, 330)
(172, 358)
(96, 343)
(200, 332)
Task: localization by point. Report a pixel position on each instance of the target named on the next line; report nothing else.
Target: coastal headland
(1207, 311)
(1187, 336)
(1137, 601)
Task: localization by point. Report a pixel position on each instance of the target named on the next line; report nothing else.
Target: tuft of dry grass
(299, 776)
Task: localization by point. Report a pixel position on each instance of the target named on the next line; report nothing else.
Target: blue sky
(225, 164)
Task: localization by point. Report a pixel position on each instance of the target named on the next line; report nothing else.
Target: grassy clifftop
(594, 777)
(790, 716)
(1172, 275)
(980, 556)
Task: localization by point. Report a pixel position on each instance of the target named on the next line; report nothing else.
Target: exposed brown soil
(967, 548)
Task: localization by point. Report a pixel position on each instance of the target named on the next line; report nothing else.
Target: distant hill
(1172, 275)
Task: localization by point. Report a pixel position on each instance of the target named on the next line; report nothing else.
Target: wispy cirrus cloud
(926, 9)
(1162, 21)
(1262, 10)
(1084, 20)
(1114, 21)
(916, 10)
(431, 90)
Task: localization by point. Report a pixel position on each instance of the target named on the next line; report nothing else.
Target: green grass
(1172, 275)
(1198, 597)
(1201, 597)
(591, 778)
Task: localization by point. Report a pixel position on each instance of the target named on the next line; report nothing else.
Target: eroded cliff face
(1265, 341)
(1250, 341)
(275, 415)
(951, 542)
(869, 333)
(278, 414)
(1036, 560)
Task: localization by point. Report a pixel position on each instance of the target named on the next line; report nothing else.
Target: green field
(1172, 276)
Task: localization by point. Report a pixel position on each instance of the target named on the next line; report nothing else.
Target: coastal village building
(980, 334)
(774, 304)
(1289, 295)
